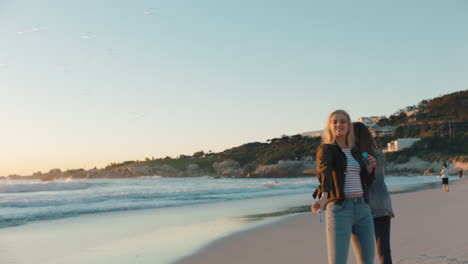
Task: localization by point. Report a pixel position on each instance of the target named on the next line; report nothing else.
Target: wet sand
(430, 227)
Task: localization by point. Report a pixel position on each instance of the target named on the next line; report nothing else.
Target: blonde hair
(328, 137)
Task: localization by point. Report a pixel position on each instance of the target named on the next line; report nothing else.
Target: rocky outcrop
(52, 175)
(429, 172)
(228, 168)
(416, 165)
(79, 173)
(289, 168)
(141, 171)
(194, 170)
(92, 173)
(123, 172)
(166, 171)
(247, 170)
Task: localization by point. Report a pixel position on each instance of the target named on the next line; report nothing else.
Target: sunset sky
(86, 83)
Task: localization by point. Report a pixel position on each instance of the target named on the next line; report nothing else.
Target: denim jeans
(352, 220)
(382, 238)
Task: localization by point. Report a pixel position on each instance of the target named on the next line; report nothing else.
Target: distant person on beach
(379, 198)
(344, 179)
(445, 179)
(460, 173)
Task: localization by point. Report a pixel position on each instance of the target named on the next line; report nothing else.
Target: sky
(86, 83)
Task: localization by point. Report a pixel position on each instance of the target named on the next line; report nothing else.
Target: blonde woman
(344, 178)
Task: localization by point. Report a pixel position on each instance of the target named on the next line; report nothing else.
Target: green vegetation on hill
(441, 122)
(432, 128)
(452, 106)
(205, 163)
(245, 154)
(284, 148)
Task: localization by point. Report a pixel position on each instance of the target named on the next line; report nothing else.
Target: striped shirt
(352, 178)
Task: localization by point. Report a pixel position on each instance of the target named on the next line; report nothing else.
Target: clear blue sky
(85, 83)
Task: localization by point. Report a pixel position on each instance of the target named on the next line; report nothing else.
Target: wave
(42, 187)
(270, 184)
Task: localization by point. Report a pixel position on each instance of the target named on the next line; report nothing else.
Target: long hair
(328, 137)
(364, 140)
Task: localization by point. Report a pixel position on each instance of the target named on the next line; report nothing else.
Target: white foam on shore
(42, 186)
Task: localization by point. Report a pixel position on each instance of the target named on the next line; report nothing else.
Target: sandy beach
(430, 227)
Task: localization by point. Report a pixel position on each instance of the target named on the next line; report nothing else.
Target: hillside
(450, 107)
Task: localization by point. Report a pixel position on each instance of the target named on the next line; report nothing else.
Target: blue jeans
(352, 220)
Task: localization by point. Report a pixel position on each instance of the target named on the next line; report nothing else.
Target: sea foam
(42, 186)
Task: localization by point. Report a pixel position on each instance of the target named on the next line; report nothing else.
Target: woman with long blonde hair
(344, 177)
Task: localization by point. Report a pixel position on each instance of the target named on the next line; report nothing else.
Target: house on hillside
(370, 119)
(317, 133)
(381, 131)
(399, 112)
(411, 110)
(401, 143)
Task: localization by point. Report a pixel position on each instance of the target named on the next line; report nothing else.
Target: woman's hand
(319, 204)
(372, 163)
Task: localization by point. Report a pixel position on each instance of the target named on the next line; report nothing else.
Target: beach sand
(430, 226)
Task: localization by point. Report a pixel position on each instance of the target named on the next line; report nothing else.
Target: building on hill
(381, 131)
(422, 104)
(399, 112)
(385, 130)
(370, 119)
(411, 110)
(317, 133)
(401, 143)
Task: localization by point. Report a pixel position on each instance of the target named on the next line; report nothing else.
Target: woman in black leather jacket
(344, 180)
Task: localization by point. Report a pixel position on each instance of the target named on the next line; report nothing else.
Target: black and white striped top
(352, 178)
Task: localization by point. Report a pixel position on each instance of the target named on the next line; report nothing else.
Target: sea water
(25, 201)
(140, 220)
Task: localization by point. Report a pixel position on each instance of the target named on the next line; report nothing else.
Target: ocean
(147, 219)
(25, 201)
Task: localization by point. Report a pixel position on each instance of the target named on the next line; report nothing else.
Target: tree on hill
(199, 154)
(452, 106)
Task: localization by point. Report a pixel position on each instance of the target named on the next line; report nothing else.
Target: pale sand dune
(430, 227)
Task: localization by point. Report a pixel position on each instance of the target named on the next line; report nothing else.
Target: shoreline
(306, 208)
(299, 237)
(164, 235)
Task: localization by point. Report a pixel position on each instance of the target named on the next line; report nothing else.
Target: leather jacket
(331, 172)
